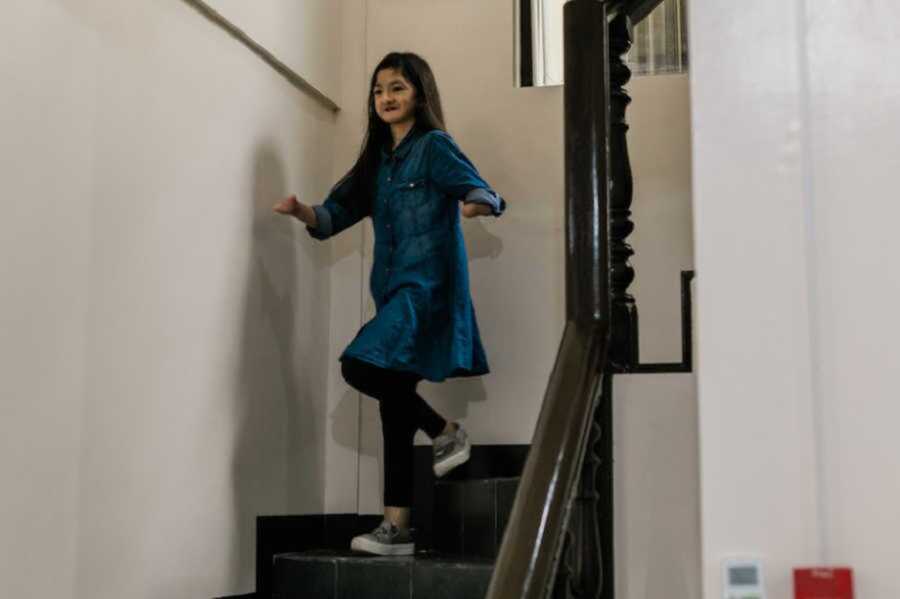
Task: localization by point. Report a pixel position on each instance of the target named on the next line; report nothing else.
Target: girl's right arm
(293, 207)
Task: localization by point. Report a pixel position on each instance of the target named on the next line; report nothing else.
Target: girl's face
(394, 96)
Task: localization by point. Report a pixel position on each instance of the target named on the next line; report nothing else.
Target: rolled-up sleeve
(455, 175)
(323, 229)
(480, 195)
(338, 212)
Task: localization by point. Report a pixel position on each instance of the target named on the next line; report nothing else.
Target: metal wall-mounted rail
(280, 67)
(687, 338)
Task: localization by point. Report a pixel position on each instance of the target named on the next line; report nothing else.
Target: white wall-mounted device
(742, 579)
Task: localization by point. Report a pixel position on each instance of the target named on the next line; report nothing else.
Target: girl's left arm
(455, 175)
(476, 209)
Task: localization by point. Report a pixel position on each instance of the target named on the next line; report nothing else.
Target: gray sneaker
(450, 451)
(386, 539)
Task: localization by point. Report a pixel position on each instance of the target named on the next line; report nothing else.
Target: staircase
(459, 522)
(560, 533)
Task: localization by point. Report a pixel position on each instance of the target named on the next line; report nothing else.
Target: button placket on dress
(392, 164)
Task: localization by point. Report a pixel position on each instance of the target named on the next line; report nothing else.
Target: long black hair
(429, 115)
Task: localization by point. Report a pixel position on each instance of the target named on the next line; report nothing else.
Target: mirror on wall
(660, 42)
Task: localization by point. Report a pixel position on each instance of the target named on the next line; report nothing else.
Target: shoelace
(442, 445)
(449, 439)
(384, 529)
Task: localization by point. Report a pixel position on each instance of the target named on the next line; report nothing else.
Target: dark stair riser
(486, 461)
(471, 516)
(299, 576)
(289, 534)
(292, 534)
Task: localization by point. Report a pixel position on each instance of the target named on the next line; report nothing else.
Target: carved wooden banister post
(588, 566)
(623, 353)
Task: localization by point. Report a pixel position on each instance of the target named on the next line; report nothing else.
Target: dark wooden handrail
(527, 562)
(529, 554)
(598, 196)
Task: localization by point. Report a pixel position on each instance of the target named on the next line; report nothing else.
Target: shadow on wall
(344, 421)
(451, 398)
(278, 464)
(480, 242)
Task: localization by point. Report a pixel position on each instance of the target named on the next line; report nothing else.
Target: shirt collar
(403, 147)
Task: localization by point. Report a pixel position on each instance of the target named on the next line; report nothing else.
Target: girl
(409, 178)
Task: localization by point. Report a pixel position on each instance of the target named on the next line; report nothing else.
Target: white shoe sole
(442, 468)
(369, 546)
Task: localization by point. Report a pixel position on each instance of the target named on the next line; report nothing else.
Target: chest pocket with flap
(408, 203)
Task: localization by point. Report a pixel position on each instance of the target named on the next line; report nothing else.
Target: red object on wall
(823, 583)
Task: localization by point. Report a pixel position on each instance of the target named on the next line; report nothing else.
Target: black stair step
(332, 574)
(486, 462)
(470, 516)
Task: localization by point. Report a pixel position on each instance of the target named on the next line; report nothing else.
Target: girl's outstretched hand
(287, 205)
(470, 210)
(292, 207)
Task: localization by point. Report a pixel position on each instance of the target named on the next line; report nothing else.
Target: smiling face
(394, 97)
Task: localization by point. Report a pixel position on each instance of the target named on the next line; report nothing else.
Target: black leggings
(403, 412)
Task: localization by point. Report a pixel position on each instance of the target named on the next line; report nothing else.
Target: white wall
(855, 156)
(758, 468)
(164, 334)
(795, 143)
(45, 247)
(515, 138)
(343, 446)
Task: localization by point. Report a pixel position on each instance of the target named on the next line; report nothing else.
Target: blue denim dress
(424, 321)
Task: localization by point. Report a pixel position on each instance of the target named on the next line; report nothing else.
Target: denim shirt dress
(424, 321)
